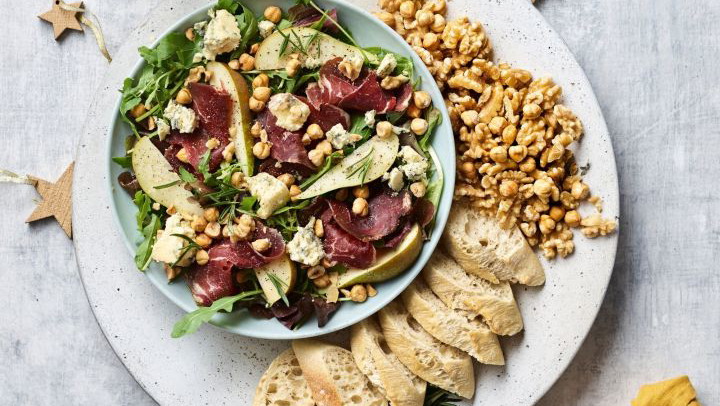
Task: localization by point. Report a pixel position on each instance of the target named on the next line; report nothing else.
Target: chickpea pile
(512, 134)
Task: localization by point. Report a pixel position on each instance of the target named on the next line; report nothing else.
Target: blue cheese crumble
(394, 179)
(340, 138)
(370, 118)
(163, 128)
(305, 247)
(168, 248)
(222, 34)
(181, 118)
(266, 28)
(414, 165)
(290, 112)
(387, 65)
(270, 191)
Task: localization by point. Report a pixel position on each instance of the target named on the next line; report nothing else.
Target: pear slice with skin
(156, 177)
(389, 264)
(224, 78)
(378, 153)
(285, 273)
(317, 48)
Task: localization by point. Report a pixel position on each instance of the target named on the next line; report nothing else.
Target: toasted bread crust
(485, 249)
(460, 290)
(453, 327)
(437, 363)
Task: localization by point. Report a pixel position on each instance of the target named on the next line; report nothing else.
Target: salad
(276, 165)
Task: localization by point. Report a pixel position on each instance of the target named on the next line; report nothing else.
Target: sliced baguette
(460, 290)
(372, 355)
(453, 327)
(283, 383)
(333, 377)
(483, 248)
(437, 363)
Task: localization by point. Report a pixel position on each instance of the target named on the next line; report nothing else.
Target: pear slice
(377, 153)
(285, 274)
(316, 49)
(223, 77)
(157, 178)
(389, 264)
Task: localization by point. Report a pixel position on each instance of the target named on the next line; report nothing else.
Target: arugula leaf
(191, 322)
(123, 161)
(204, 165)
(167, 66)
(404, 66)
(248, 24)
(435, 396)
(229, 5)
(281, 82)
(144, 250)
(434, 118)
(437, 179)
(187, 176)
(148, 223)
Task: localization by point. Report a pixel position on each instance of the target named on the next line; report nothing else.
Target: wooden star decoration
(62, 19)
(56, 200)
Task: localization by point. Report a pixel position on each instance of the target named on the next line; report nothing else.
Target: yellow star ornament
(56, 200)
(61, 18)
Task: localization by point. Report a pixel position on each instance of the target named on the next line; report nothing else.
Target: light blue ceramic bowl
(368, 31)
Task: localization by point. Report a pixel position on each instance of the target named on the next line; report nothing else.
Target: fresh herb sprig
(329, 162)
(279, 285)
(192, 321)
(362, 167)
(191, 245)
(327, 16)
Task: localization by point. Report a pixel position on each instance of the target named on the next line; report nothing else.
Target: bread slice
(453, 327)
(372, 355)
(439, 364)
(333, 377)
(483, 248)
(283, 383)
(460, 290)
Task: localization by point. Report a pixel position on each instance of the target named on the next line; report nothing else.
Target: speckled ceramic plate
(216, 367)
(241, 322)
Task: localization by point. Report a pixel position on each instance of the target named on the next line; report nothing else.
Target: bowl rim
(369, 307)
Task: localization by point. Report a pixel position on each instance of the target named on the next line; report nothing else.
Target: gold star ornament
(63, 16)
(56, 200)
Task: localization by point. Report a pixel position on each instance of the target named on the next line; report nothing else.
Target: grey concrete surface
(653, 64)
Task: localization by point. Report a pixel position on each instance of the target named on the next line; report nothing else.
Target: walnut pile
(512, 134)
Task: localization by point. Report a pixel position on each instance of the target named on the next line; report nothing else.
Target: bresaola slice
(362, 94)
(341, 246)
(369, 96)
(326, 115)
(214, 280)
(384, 214)
(287, 145)
(207, 283)
(404, 96)
(213, 108)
